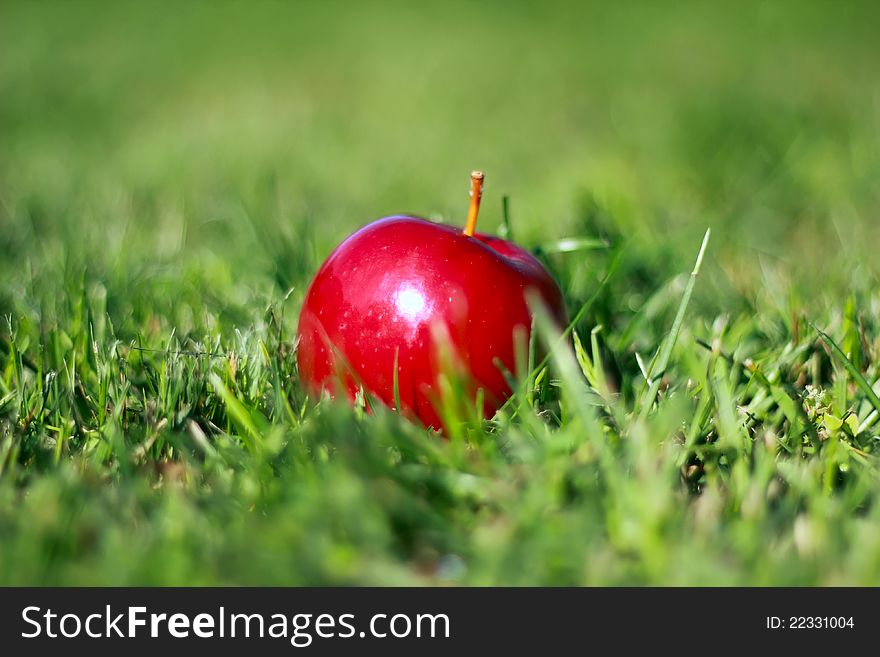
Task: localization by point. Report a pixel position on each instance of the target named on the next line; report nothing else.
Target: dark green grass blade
(506, 229)
(860, 380)
(396, 382)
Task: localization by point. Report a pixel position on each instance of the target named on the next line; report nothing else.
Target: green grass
(172, 175)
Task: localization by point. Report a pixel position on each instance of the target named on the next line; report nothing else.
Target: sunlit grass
(169, 182)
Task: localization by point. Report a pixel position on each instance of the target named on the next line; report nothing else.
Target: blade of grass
(241, 416)
(506, 230)
(658, 366)
(850, 367)
(397, 406)
(573, 245)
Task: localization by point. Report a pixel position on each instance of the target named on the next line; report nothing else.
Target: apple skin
(392, 287)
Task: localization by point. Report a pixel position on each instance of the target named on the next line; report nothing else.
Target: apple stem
(474, 210)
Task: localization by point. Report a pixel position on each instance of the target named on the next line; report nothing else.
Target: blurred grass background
(761, 121)
(170, 171)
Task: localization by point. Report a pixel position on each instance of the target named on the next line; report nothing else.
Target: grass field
(172, 174)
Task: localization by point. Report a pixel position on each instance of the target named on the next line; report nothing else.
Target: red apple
(406, 290)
